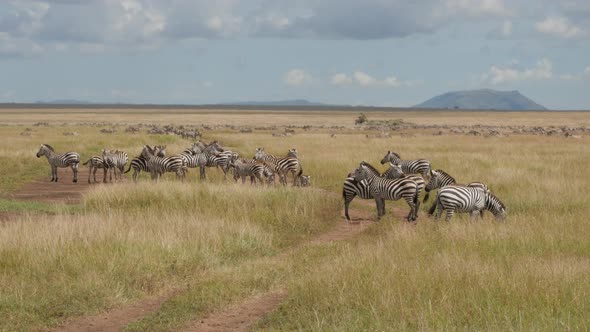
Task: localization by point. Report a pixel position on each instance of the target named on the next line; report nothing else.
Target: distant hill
(485, 99)
(291, 102)
(64, 102)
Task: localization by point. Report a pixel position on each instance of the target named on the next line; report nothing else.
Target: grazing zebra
(158, 165)
(395, 172)
(386, 189)
(418, 166)
(95, 163)
(467, 199)
(440, 179)
(68, 159)
(284, 165)
(115, 160)
(305, 180)
(139, 164)
(243, 169)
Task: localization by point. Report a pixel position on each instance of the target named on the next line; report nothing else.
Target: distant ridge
(485, 99)
(290, 102)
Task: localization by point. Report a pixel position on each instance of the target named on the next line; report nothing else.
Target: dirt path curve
(64, 191)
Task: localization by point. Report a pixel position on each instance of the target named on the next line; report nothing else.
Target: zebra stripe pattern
(395, 172)
(55, 160)
(467, 199)
(438, 179)
(243, 169)
(139, 164)
(158, 165)
(95, 163)
(203, 155)
(386, 189)
(418, 166)
(353, 188)
(115, 160)
(284, 165)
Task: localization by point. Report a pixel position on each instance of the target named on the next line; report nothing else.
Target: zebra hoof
(75, 181)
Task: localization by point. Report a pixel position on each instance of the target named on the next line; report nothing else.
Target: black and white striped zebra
(139, 164)
(284, 165)
(418, 166)
(68, 159)
(95, 163)
(305, 180)
(386, 189)
(203, 155)
(395, 172)
(440, 179)
(454, 198)
(115, 161)
(158, 165)
(353, 188)
(243, 169)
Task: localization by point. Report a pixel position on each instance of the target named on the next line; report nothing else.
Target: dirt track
(238, 317)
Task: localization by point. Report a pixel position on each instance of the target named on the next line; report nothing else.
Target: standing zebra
(284, 165)
(418, 166)
(68, 159)
(158, 165)
(245, 169)
(115, 160)
(467, 199)
(203, 155)
(395, 172)
(386, 189)
(95, 163)
(139, 164)
(353, 188)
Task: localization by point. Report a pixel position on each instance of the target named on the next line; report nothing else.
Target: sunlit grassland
(220, 242)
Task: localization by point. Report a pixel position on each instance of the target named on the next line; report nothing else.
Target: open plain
(216, 255)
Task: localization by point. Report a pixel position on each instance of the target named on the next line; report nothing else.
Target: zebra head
(44, 150)
(305, 180)
(107, 157)
(293, 153)
(259, 154)
(391, 156)
(394, 172)
(494, 205)
(214, 147)
(361, 173)
(160, 150)
(147, 152)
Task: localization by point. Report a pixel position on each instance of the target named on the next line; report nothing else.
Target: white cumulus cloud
(543, 69)
(297, 77)
(558, 27)
(367, 80)
(341, 79)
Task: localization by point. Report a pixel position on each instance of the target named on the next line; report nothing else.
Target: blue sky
(372, 52)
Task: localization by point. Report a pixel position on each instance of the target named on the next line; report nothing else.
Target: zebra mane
(443, 173)
(395, 154)
(49, 147)
(371, 167)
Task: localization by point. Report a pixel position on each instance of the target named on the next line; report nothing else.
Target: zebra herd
(400, 182)
(262, 167)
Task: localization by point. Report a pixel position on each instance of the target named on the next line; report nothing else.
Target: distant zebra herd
(262, 167)
(399, 182)
(404, 179)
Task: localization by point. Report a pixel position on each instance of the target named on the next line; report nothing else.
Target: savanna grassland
(210, 244)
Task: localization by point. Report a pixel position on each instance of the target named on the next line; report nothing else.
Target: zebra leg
(203, 176)
(75, 171)
(450, 213)
(54, 173)
(104, 173)
(135, 175)
(438, 209)
(346, 205)
(410, 202)
(90, 173)
(426, 196)
(473, 215)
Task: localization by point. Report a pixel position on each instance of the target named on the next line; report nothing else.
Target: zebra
(284, 165)
(455, 198)
(203, 155)
(243, 169)
(139, 163)
(418, 166)
(68, 159)
(386, 189)
(158, 165)
(95, 163)
(439, 179)
(353, 188)
(115, 160)
(395, 172)
(305, 180)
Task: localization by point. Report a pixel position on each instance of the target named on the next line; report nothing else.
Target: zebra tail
(127, 171)
(87, 161)
(300, 171)
(426, 197)
(432, 208)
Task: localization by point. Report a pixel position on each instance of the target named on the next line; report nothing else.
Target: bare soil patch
(64, 191)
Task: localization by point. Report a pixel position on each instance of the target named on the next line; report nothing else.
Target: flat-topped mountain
(485, 99)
